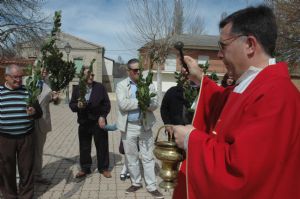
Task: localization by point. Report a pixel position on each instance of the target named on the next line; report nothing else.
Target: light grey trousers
(146, 144)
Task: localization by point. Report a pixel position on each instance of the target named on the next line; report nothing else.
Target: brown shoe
(81, 174)
(106, 174)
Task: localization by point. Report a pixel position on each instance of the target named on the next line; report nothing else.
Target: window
(202, 59)
(170, 64)
(78, 64)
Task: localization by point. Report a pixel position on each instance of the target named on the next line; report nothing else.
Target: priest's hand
(180, 133)
(169, 130)
(195, 72)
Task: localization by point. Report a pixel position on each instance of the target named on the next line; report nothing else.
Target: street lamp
(67, 48)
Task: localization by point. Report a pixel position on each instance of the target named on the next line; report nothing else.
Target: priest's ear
(251, 44)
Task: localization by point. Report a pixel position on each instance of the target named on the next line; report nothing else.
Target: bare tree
(194, 23)
(20, 21)
(196, 27)
(288, 20)
(156, 23)
(178, 17)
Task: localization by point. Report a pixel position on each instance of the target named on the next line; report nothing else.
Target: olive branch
(32, 83)
(143, 93)
(82, 82)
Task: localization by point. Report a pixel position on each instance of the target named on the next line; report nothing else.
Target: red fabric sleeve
(209, 95)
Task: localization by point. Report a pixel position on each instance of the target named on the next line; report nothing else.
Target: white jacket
(126, 103)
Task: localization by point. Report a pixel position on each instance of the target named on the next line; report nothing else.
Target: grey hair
(9, 69)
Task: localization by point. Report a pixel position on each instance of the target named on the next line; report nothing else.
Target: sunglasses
(134, 70)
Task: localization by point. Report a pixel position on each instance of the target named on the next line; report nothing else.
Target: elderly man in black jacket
(92, 120)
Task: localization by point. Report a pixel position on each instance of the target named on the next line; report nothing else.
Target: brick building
(201, 47)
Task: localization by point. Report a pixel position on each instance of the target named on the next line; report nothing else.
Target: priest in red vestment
(245, 140)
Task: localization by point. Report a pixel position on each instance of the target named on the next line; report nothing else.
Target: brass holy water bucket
(170, 156)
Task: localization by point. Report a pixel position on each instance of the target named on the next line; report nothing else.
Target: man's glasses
(222, 45)
(15, 77)
(134, 70)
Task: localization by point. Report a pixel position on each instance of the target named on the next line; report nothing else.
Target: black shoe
(132, 189)
(122, 177)
(156, 194)
(128, 175)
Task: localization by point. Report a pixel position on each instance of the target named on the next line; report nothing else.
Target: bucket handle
(159, 130)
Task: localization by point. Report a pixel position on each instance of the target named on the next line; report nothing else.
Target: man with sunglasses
(133, 131)
(245, 140)
(92, 121)
(16, 136)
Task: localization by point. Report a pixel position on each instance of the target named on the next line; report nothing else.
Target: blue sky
(105, 22)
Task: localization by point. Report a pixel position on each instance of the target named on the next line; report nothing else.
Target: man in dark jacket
(92, 120)
(174, 108)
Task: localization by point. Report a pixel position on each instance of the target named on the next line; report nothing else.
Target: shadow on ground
(63, 172)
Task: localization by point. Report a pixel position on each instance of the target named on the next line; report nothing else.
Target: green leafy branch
(143, 93)
(189, 93)
(83, 82)
(32, 83)
(213, 76)
(204, 67)
(61, 72)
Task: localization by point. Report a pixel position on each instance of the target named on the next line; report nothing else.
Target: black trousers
(16, 149)
(85, 134)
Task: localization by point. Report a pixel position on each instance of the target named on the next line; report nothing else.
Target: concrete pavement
(61, 157)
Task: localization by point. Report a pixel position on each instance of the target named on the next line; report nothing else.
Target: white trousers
(124, 169)
(146, 145)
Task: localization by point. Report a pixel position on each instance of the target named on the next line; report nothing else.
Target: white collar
(247, 77)
(252, 70)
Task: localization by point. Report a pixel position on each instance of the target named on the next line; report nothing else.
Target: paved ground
(61, 162)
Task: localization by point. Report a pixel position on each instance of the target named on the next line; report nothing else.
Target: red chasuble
(245, 146)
